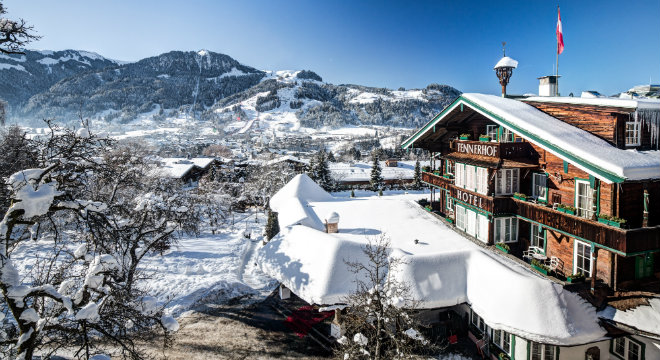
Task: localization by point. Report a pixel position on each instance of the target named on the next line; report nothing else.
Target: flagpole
(557, 63)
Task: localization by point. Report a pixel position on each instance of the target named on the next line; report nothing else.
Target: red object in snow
(453, 339)
(304, 318)
(560, 35)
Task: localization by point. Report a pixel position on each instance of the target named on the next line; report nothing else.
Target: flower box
(520, 196)
(503, 247)
(484, 138)
(464, 137)
(572, 279)
(536, 265)
(611, 221)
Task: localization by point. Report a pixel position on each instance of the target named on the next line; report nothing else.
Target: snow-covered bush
(79, 225)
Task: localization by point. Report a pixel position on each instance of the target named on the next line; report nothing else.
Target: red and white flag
(560, 36)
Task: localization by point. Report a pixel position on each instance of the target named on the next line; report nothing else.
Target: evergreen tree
(376, 177)
(417, 178)
(321, 171)
(331, 157)
(272, 226)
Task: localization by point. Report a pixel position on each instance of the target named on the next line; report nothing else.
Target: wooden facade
(613, 250)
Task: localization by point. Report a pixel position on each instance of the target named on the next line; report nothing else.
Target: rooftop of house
(442, 268)
(576, 146)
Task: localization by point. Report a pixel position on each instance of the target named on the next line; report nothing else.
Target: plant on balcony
(484, 137)
(566, 209)
(426, 168)
(539, 266)
(504, 247)
(520, 196)
(464, 136)
(611, 220)
(503, 356)
(573, 278)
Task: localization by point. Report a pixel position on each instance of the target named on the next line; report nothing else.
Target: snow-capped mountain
(23, 76)
(213, 87)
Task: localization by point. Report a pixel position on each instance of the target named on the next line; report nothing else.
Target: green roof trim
(572, 158)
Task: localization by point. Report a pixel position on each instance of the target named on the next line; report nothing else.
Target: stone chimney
(332, 223)
(548, 85)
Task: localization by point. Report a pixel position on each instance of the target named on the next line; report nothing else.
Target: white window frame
(482, 180)
(507, 135)
(576, 269)
(506, 177)
(537, 237)
(459, 176)
(499, 340)
(470, 178)
(628, 345)
(492, 130)
(460, 217)
(542, 351)
(478, 322)
(482, 228)
(500, 226)
(540, 186)
(587, 211)
(633, 133)
(449, 201)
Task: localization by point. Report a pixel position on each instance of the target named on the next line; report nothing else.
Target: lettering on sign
(478, 149)
(469, 198)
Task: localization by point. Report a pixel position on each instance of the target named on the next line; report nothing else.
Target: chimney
(548, 85)
(332, 223)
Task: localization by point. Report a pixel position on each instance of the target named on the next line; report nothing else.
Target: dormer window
(491, 130)
(632, 133)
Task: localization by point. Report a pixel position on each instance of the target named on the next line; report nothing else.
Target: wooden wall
(563, 247)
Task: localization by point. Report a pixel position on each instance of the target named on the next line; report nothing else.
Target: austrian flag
(560, 36)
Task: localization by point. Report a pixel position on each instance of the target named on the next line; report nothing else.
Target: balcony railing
(628, 241)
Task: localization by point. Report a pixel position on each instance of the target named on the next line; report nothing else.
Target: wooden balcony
(492, 204)
(509, 150)
(627, 241)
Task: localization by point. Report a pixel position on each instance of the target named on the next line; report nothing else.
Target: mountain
(207, 85)
(23, 76)
(167, 81)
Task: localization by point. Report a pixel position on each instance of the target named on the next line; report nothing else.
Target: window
(632, 133)
(449, 201)
(491, 130)
(540, 187)
(507, 135)
(506, 229)
(626, 348)
(460, 217)
(482, 228)
(582, 258)
(584, 199)
(542, 351)
(506, 181)
(537, 237)
(482, 181)
(502, 339)
(478, 322)
(449, 168)
(472, 178)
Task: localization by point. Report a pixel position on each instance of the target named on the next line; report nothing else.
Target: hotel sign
(486, 149)
(468, 198)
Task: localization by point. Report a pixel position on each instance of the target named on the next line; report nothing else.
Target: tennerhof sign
(479, 148)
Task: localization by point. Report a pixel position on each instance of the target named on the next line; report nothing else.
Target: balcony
(492, 204)
(625, 241)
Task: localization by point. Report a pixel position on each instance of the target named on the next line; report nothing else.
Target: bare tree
(95, 214)
(379, 322)
(14, 34)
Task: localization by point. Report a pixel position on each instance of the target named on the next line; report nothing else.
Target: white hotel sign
(486, 149)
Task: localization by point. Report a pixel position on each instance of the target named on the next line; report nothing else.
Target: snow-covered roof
(576, 146)
(361, 171)
(644, 318)
(442, 268)
(632, 104)
(288, 158)
(179, 167)
(506, 62)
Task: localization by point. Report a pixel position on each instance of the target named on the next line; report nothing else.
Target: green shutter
(565, 167)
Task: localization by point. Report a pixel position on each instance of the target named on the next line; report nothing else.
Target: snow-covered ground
(218, 265)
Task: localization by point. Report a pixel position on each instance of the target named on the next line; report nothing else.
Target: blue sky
(610, 45)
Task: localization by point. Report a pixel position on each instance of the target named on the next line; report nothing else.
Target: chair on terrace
(554, 263)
